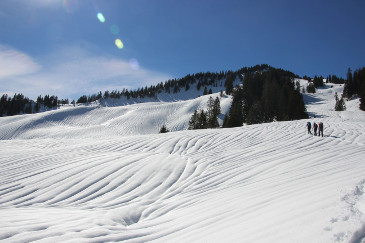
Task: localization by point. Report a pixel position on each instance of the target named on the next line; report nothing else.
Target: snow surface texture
(104, 174)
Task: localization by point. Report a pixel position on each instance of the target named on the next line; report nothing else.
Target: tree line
(315, 83)
(169, 86)
(266, 96)
(355, 86)
(19, 104)
(258, 102)
(206, 119)
(10, 106)
(224, 79)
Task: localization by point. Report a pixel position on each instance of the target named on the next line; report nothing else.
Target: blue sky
(60, 46)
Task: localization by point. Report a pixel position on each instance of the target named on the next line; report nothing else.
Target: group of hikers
(316, 127)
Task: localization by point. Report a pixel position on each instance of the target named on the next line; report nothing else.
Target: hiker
(315, 126)
(309, 126)
(320, 130)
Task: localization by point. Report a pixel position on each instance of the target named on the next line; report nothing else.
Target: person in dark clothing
(320, 131)
(315, 126)
(309, 126)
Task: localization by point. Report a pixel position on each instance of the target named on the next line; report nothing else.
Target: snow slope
(112, 117)
(95, 174)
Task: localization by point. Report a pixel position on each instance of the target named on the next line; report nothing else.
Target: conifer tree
(28, 109)
(270, 103)
(202, 119)
(198, 86)
(205, 92)
(187, 87)
(318, 81)
(235, 117)
(362, 96)
(226, 120)
(255, 115)
(213, 111)
(348, 89)
(229, 84)
(164, 129)
(217, 106)
(210, 112)
(340, 103)
(193, 122)
(311, 88)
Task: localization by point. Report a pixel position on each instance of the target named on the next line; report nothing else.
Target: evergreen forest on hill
(266, 94)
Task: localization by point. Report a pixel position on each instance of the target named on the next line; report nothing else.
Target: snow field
(96, 121)
(93, 174)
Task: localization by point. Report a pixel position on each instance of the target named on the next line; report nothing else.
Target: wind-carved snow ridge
(95, 174)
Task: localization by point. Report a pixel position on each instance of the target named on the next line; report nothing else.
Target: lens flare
(101, 17)
(119, 43)
(114, 29)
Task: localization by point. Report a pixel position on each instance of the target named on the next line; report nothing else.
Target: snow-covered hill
(73, 175)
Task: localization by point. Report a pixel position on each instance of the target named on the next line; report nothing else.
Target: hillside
(102, 173)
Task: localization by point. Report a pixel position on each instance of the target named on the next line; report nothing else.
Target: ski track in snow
(103, 174)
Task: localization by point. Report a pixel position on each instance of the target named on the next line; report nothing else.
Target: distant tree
(268, 108)
(311, 88)
(193, 122)
(205, 92)
(19, 104)
(255, 115)
(199, 85)
(336, 80)
(362, 96)
(235, 117)
(229, 83)
(309, 79)
(340, 103)
(212, 112)
(176, 89)
(354, 85)
(164, 129)
(226, 120)
(106, 95)
(187, 87)
(99, 96)
(82, 99)
(348, 89)
(318, 81)
(128, 95)
(217, 106)
(202, 119)
(28, 108)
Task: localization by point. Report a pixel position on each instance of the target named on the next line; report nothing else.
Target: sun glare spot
(119, 43)
(101, 17)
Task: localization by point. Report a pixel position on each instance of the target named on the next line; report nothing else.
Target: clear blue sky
(60, 46)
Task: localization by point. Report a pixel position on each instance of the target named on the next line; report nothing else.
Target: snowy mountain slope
(105, 121)
(75, 178)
